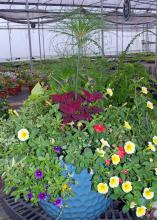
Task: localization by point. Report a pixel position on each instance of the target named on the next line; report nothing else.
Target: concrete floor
(15, 102)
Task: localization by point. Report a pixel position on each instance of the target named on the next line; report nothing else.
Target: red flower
(99, 128)
(120, 148)
(125, 171)
(120, 180)
(108, 162)
(121, 152)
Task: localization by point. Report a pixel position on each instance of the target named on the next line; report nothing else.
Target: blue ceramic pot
(84, 205)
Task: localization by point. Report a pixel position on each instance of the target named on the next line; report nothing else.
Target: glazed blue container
(84, 205)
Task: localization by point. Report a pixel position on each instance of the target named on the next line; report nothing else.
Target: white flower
(144, 90)
(132, 205)
(100, 152)
(23, 134)
(109, 92)
(148, 194)
(104, 143)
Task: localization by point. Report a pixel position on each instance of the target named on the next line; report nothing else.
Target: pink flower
(108, 162)
(125, 171)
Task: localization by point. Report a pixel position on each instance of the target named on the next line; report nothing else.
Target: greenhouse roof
(137, 4)
(49, 11)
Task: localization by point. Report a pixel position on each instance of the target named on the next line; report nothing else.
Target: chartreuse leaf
(37, 90)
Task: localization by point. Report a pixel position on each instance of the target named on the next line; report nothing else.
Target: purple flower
(58, 149)
(30, 195)
(38, 174)
(58, 202)
(42, 196)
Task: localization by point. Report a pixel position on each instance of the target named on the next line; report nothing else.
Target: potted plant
(72, 156)
(13, 87)
(3, 91)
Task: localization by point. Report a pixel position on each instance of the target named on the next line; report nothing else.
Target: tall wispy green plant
(81, 27)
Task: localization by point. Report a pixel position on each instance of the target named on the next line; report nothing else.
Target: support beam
(10, 47)
(102, 30)
(156, 41)
(29, 38)
(39, 39)
(43, 41)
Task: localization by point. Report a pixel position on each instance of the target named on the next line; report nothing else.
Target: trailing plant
(117, 146)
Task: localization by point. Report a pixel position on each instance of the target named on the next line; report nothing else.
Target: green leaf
(37, 90)
(125, 209)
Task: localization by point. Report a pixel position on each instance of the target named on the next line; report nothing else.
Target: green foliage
(80, 144)
(127, 82)
(3, 108)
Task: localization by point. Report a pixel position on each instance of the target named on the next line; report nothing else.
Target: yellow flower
(114, 182)
(104, 143)
(151, 147)
(144, 90)
(155, 140)
(100, 152)
(150, 105)
(109, 92)
(127, 187)
(102, 188)
(140, 211)
(79, 124)
(156, 171)
(23, 134)
(115, 159)
(148, 194)
(127, 125)
(129, 147)
(65, 187)
(132, 205)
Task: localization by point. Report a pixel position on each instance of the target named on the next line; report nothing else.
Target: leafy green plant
(117, 146)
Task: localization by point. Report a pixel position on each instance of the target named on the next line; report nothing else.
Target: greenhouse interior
(78, 109)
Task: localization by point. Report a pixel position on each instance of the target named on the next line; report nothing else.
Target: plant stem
(78, 70)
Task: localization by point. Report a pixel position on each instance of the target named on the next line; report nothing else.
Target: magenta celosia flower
(42, 196)
(58, 202)
(38, 174)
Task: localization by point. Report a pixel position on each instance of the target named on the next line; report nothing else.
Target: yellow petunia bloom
(114, 182)
(127, 187)
(102, 188)
(140, 211)
(115, 159)
(132, 205)
(127, 125)
(104, 143)
(23, 134)
(155, 140)
(144, 90)
(148, 194)
(150, 105)
(109, 92)
(151, 147)
(129, 147)
(100, 152)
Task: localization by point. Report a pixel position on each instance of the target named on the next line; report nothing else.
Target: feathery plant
(80, 26)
